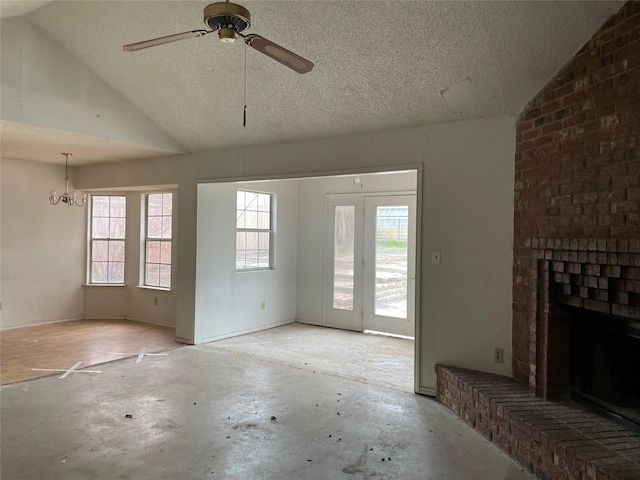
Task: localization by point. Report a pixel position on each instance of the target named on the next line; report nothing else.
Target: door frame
(344, 319)
(370, 318)
(190, 330)
(358, 199)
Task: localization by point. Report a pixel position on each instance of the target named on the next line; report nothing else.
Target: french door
(370, 263)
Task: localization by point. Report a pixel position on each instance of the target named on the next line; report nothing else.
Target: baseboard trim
(39, 324)
(429, 392)
(132, 319)
(151, 322)
(308, 322)
(104, 317)
(245, 332)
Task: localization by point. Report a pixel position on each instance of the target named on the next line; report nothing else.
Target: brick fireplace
(588, 275)
(577, 197)
(576, 256)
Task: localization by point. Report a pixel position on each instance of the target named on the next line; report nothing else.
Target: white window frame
(162, 239)
(109, 239)
(243, 230)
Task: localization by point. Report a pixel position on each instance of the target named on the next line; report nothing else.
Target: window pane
(264, 203)
(154, 204)
(118, 206)
(391, 260)
(165, 276)
(116, 272)
(263, 259)
(240, 200)
(252, 240)
(252, 258)
(153, 274)
(240, 260)
(100, 228)
(264, 220)
(100, 206)
(116, 251)
(166, 227)
(251, 201)
(100, 250)
(241, 241)
(155, 227)
(251, 220)
(263, 240)
(343, 257)
(165, 253)
(99, 272)
(167, 204)
(240, 219)
(117, 228)
(153, 251)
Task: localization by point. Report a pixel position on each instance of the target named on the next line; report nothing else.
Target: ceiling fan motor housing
(227, 18)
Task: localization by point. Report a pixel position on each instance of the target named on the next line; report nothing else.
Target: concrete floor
(379, 360)
(210, 412)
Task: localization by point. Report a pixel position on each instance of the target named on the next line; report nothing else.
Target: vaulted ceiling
(378, 65)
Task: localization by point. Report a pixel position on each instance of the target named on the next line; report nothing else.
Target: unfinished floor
(225, 411)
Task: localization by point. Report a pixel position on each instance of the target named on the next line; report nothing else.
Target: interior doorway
(295, 287)
(370, 263)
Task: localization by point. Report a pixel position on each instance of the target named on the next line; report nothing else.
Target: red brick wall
(577, 164)
(553, 441)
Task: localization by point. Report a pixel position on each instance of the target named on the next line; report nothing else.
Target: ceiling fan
(230, 20)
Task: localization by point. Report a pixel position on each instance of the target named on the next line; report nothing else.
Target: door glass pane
(392, 228)
(343, 257)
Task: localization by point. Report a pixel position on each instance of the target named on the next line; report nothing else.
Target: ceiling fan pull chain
(244, 118)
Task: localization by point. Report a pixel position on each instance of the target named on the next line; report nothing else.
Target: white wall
(465, 201)
(230, 302)
(42, 247)
(1, 281)
(44, 85)
(312, 230)
(132, 301)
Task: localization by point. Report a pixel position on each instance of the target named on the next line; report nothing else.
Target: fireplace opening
(605, 365)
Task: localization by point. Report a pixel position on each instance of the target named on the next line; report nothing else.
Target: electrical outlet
(498, 355)
(263, 305)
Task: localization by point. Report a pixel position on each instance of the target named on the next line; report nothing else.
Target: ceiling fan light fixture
(227, 35)
(230, 20)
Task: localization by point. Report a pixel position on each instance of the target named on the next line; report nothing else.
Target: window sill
(108, 285)
(254, 270)
(157, 289)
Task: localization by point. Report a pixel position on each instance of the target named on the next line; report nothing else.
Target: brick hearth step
(554, 441)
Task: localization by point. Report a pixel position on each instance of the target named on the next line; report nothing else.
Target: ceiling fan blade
(133, 47)
(278, 53)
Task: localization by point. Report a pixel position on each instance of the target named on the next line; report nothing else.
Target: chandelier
(67, 198)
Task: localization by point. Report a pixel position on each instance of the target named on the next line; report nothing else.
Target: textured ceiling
(14, 8)
(378, 65)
